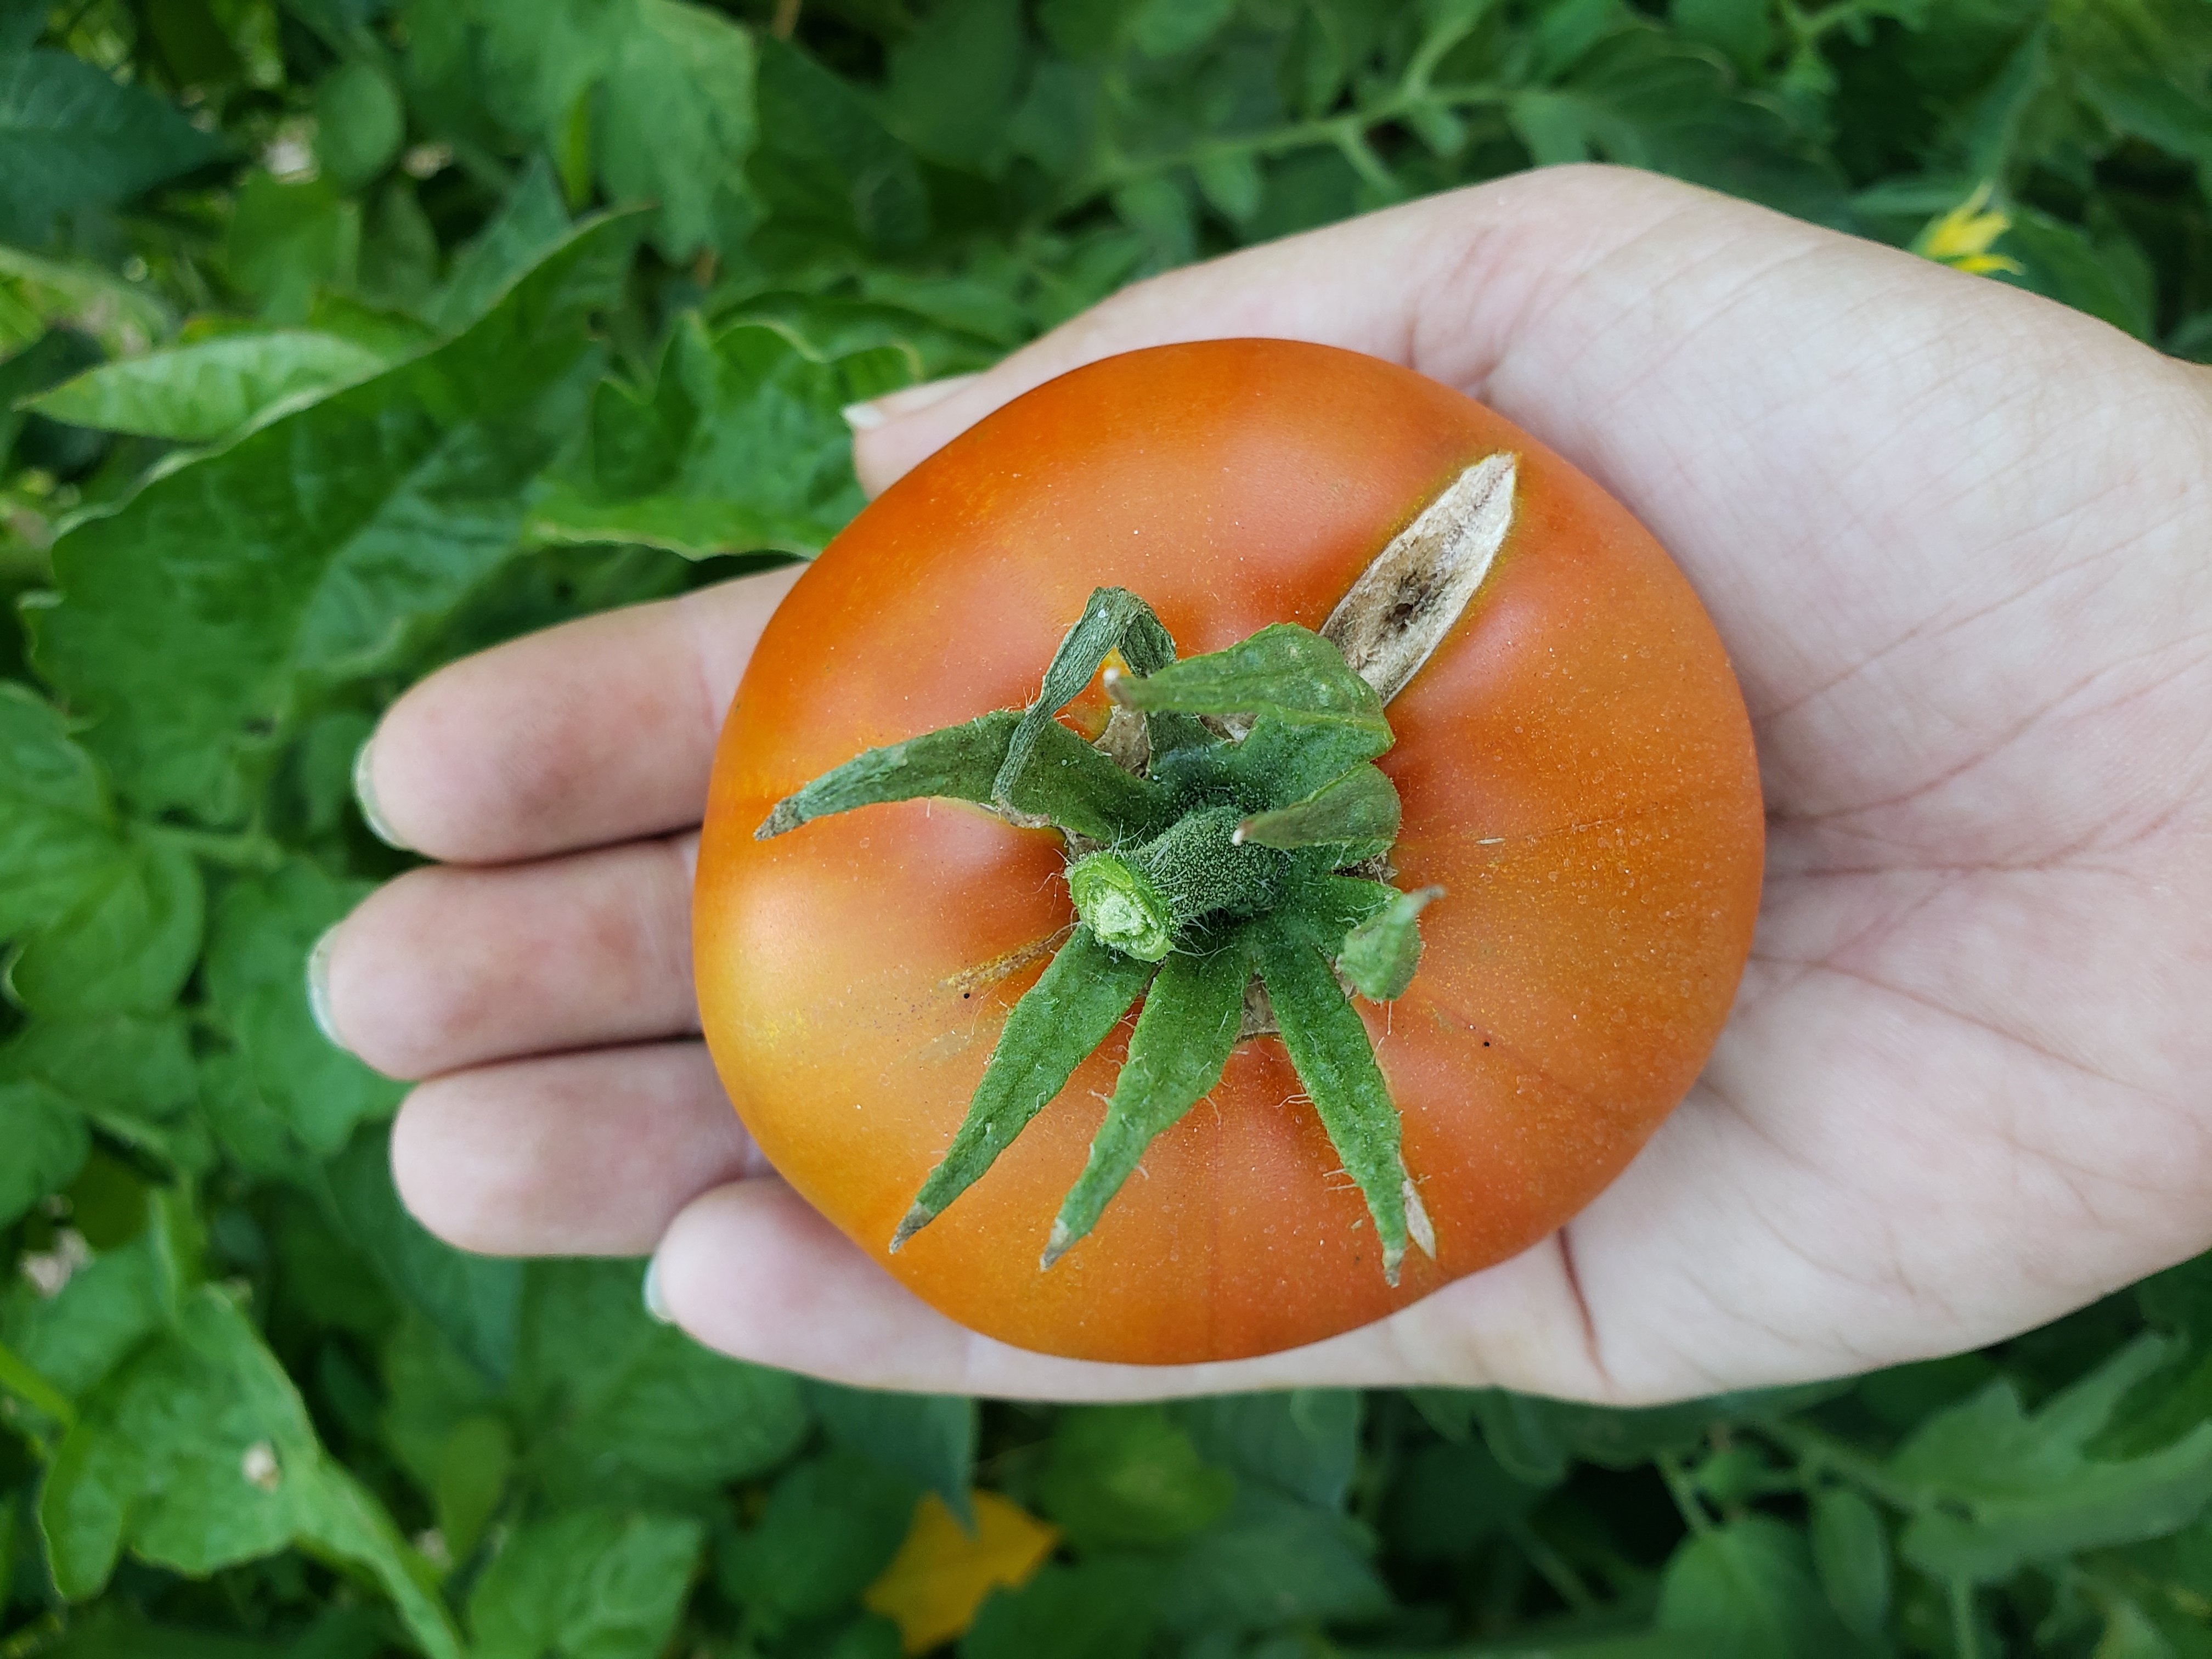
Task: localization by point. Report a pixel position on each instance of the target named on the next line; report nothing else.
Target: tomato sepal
(1192, 1015)
(1329, 1049)
(1074, 1006)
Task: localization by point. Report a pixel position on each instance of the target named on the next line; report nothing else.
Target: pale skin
(1958, 541)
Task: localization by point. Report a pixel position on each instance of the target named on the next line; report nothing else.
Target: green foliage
(338, 338)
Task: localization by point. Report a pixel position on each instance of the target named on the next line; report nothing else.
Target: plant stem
(231, 849)
(1684, 1494)
(1819, 1450)
(1343, 131)
(1963, 1638)
(1554, 1568)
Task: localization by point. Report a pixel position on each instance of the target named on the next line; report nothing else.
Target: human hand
(1953, 535)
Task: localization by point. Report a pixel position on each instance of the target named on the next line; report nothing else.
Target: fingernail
(318, 988)
(866, 417)
(656, 1305)
(364, 796)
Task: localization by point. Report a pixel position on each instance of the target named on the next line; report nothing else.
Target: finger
(575, 1155)
(595, 731)
(751, 1269)
(447, 967)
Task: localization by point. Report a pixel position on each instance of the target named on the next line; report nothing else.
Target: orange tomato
(1577, 771)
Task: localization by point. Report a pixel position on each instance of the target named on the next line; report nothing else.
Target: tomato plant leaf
(367, 515)
(1380, 956)
(1193, 1012)
(928, 1439)
(78, 1335)
(257, 980)
(1745, 1590)
(1123, 1477)
(622, 1406)
(1078, 999)
(2016, 1488)
(1335, 1061)
(591, 1583)
(1096, 1609)
(738, 445)
(197, 1452)
(205, 390)
(475, 1300)
(129, 941)
(831, 1526)
(1850, 1551)
(46, 1145)
(1271, 1561)
(72, 137)
(1304, 1442)
(131, 1075)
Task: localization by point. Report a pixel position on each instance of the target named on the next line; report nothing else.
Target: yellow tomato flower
(942, 1572)
(1961, 238)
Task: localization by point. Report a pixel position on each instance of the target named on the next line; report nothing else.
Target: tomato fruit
(1576, 777)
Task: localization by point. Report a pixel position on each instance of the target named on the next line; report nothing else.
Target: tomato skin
(1577, 769)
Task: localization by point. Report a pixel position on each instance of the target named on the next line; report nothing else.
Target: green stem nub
(1144, 900)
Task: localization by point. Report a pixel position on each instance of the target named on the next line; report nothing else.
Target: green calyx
(1238, 849)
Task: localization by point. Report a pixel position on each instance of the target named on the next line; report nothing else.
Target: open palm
(1956, 538)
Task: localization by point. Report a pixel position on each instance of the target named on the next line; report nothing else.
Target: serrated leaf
(126, 942)
(76, 1337)
(200, 392)
(197, 1453)
(675, 123)
(1303, 1440)
(477, 1301)
(257, 980)
(1100, 1609)
(193, 616)
(1745, 1590)
(46, 1144)
(1121, 1477)
(621, 1404)
(594, 1583)
(1271, 1561)
(531, 223)
(831, 1526)
(953, 80)
(827, 169)
(928, 1439)
(739, 445)
(1850, 1551)
(2016, 1488)
(289, 237)
(70, 137)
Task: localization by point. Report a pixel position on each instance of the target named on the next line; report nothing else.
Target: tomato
(1577, 774)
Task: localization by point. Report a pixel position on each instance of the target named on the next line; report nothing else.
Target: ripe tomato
(1577, 774)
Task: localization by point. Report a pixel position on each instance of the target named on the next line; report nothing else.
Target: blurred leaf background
(340, 337)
